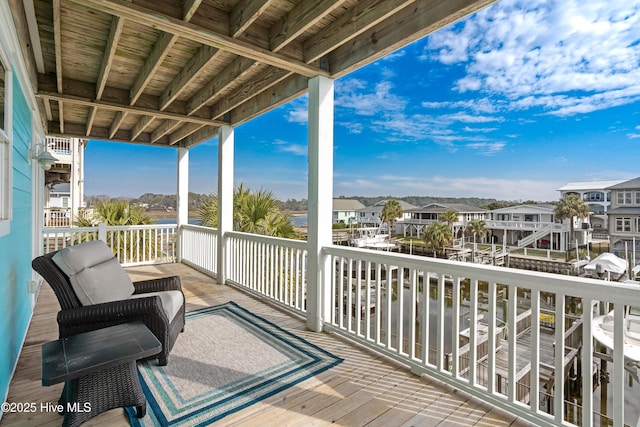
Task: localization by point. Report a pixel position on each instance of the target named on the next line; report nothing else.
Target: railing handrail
(199, 228)
(296, 244)
(138, 227)
(584, 287)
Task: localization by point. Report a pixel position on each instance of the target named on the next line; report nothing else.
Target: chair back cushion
(95, 274)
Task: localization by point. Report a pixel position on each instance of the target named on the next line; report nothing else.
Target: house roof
(627, 185)
(377, 207)
(525, 208)
(626, 210)
(442, 207)
(170, 73)
(346, 205)
(589, 185)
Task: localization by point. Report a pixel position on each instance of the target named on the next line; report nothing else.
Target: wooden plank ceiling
(170, 72)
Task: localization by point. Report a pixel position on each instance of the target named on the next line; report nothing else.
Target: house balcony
(425, 341)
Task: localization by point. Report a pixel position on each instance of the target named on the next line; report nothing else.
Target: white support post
(225, 196)
(320, 208)
(183, 195)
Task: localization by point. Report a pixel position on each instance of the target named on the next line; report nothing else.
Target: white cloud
(479, 186)
(287, 147)
(487, 148)
(479, 130)
(567, 56)
(368, 100)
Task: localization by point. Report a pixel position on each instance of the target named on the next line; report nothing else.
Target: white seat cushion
(172, 301)
(95, 274)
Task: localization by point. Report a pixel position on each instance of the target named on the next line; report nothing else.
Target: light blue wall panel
(15, 247)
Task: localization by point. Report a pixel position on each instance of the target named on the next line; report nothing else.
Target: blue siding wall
(15, 247)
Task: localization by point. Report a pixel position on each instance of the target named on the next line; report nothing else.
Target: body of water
(192, 221)
(299, 221)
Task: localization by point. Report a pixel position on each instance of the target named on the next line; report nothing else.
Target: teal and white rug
(226, 359)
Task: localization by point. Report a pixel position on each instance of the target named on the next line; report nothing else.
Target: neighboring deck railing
(413, 308)
(132, 245)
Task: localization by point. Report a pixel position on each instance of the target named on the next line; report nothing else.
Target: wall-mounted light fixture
(40, 154)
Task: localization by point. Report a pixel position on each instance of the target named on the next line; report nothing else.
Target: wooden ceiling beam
(61, 115)
(244, 14)
(204, 56)
(57, 38)
(117, 121)
(183, 132)
(237, 68)
(199, 136)
(77, 130)
(298, 20)
(408, 25)
(189, 8)
(165, 128)
(81, 93)
(117, 24)
(151, 65)
(90, 119)
(106, 105)
(261, 83)
(286, 90)
(364, 15)
(140, 125)
(168, 24)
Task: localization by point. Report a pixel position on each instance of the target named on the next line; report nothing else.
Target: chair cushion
(171, 301)
(95, 274)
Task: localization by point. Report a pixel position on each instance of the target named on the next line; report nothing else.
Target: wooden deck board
(366, 389)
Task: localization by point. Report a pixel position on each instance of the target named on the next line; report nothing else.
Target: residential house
(596, 195)
(624, 217)
(344, 211)
(64, 181)
(535, 225)
(372, 215)
(419, 218)
(21, 195)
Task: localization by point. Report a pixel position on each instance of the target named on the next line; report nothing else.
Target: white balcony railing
(492, 332)
(59, 145)
(132, 245)
(199, 248)
(272, 267)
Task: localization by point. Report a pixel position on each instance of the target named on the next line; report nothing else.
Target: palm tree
(437, 235)
(253, 212)
(449, 216)
(569, 207)
(391, 211)
(120, 213)
(476, 227)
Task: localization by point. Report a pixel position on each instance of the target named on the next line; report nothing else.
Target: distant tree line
(196, 201)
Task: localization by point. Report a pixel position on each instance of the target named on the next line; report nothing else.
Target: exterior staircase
(538, 234)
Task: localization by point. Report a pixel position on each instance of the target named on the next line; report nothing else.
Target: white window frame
(623, 225)
(6, 133)
(625, 197)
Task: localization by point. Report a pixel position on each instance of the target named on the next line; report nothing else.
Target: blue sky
(510, 103)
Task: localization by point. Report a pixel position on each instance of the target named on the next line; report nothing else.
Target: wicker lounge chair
(147, 301)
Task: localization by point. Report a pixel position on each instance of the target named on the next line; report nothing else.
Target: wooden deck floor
(364, 390)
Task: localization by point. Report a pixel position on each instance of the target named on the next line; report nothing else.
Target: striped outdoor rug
(226, 359)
